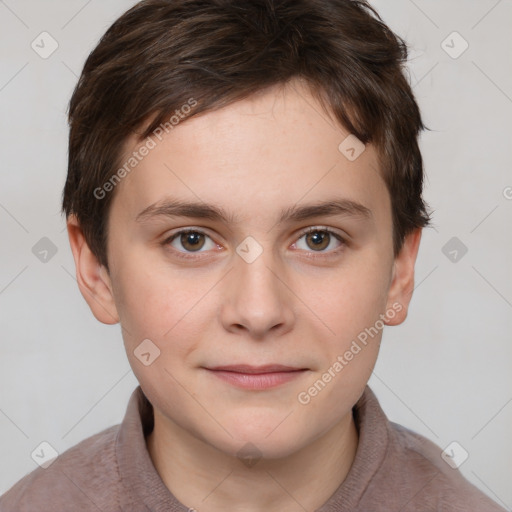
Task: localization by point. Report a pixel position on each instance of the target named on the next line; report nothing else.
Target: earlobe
(92, 277)
(402, 281)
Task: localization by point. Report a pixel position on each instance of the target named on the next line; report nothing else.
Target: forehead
(272, 150)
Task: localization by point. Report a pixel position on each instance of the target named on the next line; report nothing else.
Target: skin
(253, 158)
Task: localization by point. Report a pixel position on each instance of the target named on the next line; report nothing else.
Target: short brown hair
(161, 53)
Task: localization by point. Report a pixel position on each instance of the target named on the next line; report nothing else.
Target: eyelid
(192, 255)
(332, 231)
(343, 239)
(183, 254)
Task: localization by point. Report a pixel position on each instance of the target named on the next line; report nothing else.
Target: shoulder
(425, 479)
(85, 475)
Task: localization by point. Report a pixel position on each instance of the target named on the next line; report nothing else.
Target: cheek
(161, 311)
(350, 304)
(350, 300)
(145, 306)
(163, 307)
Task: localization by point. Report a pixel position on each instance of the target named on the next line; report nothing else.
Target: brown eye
(318, 240)
(189, 241)
(192, 241)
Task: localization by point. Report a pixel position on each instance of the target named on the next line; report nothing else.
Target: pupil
(318, 238)
(192, 240)
(192, 237)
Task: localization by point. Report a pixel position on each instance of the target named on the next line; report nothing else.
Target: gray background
(445, 373)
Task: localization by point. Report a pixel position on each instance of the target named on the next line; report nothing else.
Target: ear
(92, 277)
(402, 280)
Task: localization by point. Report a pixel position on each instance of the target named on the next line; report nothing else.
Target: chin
(268, 441)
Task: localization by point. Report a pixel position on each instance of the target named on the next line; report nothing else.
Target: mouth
(256, 377)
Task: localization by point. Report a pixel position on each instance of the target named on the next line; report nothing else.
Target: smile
(257, 377)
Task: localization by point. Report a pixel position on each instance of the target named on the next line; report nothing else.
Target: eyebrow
(170, 207)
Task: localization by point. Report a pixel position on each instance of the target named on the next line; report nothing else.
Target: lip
(256, 377)
(250, 369)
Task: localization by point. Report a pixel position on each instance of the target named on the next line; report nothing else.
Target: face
(254, 300)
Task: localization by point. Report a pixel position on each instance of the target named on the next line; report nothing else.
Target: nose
(258, 299)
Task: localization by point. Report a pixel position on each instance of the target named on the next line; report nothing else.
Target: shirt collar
(143, 485)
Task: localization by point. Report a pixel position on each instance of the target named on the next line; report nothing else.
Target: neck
(203, 478)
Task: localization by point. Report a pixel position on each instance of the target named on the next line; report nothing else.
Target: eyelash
(312, 254)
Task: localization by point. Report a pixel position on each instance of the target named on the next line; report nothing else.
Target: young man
(244, 198)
